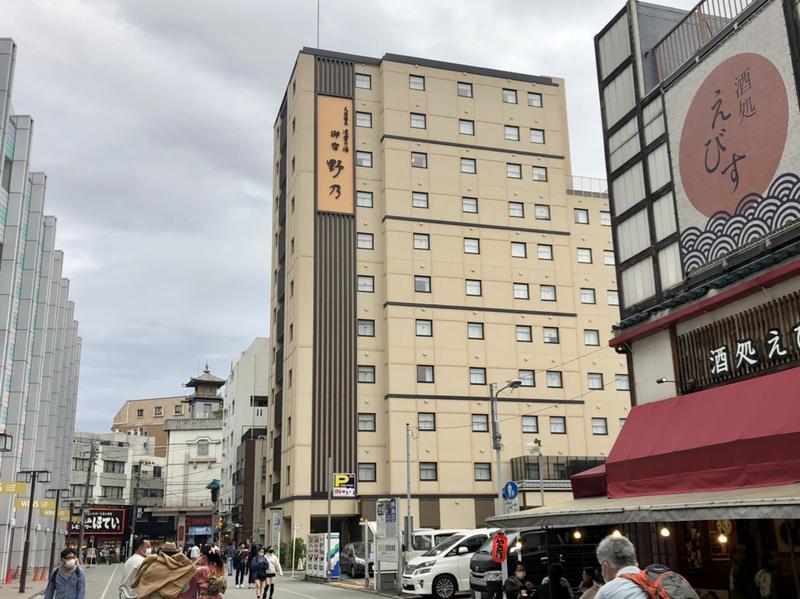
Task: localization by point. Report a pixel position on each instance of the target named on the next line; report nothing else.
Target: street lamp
(535, 448)
(33, 476)
(497, 438)
(57, 494)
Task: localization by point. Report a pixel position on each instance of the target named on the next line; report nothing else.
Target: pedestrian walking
(273, 570)
(230, 554)
(250, 575)
(194, 552)
(555, 586)
(211, 582)
(258, 570)
(141, 548)
(168, 575)
(67, 581)
(242, 564)
(617, 556)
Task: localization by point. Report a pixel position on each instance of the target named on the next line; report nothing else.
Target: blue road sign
(511, 490)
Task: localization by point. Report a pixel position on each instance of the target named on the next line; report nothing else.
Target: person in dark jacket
(241, 563)
(518, 585)
(555, 586)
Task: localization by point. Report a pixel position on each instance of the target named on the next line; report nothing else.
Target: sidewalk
(32, 589)
(358, 585)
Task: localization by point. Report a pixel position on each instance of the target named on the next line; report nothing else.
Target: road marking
(283, 589)
(108, 584)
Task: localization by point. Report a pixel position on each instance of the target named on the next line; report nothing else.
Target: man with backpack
(624, 579)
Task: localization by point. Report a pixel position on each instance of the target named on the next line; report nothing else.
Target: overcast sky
(153, 120)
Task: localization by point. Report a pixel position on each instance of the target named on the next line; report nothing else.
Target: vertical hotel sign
(335, 164)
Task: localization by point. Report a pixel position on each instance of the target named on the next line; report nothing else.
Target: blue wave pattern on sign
(756, 216)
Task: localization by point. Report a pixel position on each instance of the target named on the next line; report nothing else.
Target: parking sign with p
(344, 484)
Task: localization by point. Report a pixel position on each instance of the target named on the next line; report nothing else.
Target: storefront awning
(738, 504)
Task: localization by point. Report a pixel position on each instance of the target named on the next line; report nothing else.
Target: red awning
(589, 483)
(739, 435)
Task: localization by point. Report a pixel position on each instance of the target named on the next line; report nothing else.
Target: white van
(425, 539)
(444, 570)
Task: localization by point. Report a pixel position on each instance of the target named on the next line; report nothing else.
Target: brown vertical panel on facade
(429, 516)
(483, 509)
(334, 408)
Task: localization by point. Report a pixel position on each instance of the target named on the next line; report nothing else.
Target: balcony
(555, 470)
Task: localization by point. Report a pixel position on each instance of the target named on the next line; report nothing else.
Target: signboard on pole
(510, 490)
(511, 506)
(38, 504)
(344, 484)
(386, 550)
(386, 516)
(101, 521)
(7, 488)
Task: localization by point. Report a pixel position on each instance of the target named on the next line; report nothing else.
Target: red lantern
(499, 548)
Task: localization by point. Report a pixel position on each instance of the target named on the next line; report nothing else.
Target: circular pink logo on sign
(734, 133)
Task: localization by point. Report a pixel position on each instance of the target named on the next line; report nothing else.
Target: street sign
(7, 488)
(386, 550)
(511, 506)
(344, 484)
(510, 490)
(386, 517)
(38, 504)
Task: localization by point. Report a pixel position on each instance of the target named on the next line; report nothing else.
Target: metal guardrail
(697, 28)
(587, 185)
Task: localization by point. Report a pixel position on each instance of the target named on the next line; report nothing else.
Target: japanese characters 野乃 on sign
(335, 162)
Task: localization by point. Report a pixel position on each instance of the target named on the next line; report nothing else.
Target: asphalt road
(102, 582)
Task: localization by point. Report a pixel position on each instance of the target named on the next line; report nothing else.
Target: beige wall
(127, 420)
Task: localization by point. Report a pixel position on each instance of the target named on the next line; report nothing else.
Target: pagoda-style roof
(205, 379)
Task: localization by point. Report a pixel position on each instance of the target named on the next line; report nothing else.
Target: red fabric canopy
(589, 483)
(739, 435)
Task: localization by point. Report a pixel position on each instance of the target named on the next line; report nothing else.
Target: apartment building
(39, 344)
(429, 240)
(146, 417)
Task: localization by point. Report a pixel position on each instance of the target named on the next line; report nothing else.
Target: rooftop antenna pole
(317, 24)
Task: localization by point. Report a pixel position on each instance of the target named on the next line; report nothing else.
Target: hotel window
(366, 328)
(365, 241)
(424, 328)
(483, 471)
(114, 467)
(469, 205)
(428, 471)
(367, 472)
(550, 335)
(366, 283)
(584, 255)
(623, 383)
(178, 410)
(472, 245)
(418, 121)
(464, 89)
(363, 81)
(466, 127)
(422, 241)
(477, 376)
(468, 166)
(516, 209)
(540, 173)
(510, 96)
(511, 132)
(612, 295)
(530, 425)
(608, 257)
(537, 136)
(605, 218)
(535, 99)
(364, 199)
(366, 374)
(419, 160)
(111, 492)
(558, 425)
(554, 379)
(364, 119)
(473, 287)
(599, 426)
(475, 330)
(581, 216)
(366, 422)
(364, 159)
(591, 337)
(416, 82)
(547, 293)
(419, 199)
(480, 423)
(531, 471)
(544, 251)
(422, 284)
(158, 411)
(519, 249)
(542, 212)
(513, 171)
(521, 291)
(524, 333)
(587, 296)
(424, 374)
(202, 447)
(594, 380)
(528, 378)
(426, 421)
(140, 413)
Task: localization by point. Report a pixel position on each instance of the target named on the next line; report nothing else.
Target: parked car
(443, 571)
(535, 548)
(352, 560)
(425, 539)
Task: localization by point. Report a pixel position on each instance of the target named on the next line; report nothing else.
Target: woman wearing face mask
(274, 569)
(67, 581)
(258, 569)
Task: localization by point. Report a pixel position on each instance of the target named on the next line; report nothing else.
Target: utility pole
(409, 518)
(138, 479)
(92, 458)
(497, 438)
(45, 478)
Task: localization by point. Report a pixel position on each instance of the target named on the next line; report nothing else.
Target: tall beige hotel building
(428, 240)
